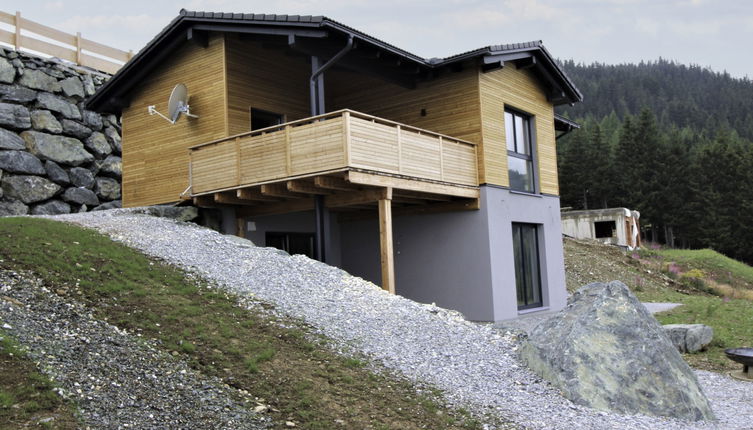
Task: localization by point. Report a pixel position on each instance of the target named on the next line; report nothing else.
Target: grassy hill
(713, 290)
(290, 370)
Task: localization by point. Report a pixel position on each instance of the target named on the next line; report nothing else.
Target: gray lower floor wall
(458, 260)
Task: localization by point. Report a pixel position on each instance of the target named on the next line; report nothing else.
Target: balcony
(293, 159)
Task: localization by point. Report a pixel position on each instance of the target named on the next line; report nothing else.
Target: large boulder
(21, 162)
(58, 104)
(606, 351)
(56, 173)
(10, 140)
(81, 177)
(111, 166)
(52, 207)
(7, 71)
(28, 189)
(14, 116)
(689, 337)
(39, 80)
(18, 94)
(97, 144)
(60, 149)
(44, 120)
(12, 208)
(80, 196)
(76, 129)
(107, 188)
(72, 87)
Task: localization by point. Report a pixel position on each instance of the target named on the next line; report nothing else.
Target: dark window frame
(524, 283)
(529, 122)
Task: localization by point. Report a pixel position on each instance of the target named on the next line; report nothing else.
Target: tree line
(692, 183)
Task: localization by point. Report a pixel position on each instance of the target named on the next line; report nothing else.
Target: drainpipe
(316, 87)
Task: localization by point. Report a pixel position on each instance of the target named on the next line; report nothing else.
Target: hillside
(713, 290)
(671, 141)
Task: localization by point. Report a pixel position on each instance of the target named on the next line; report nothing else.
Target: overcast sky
(711, 33)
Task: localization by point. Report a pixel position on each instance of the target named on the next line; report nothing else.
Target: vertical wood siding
(155, 153)
(520, 90)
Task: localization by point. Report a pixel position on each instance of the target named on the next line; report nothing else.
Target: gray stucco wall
(464, 260)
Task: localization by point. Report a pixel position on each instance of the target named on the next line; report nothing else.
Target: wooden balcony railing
(335, 141)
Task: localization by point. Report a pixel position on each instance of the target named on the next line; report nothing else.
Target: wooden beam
(385, 244)
(422, 196)
(362, 178)
(305, 187)
(278, 208)
(254, 194)
(278, 190)
(333, 183)
(357, 197)
(229, 199)
(457, 205)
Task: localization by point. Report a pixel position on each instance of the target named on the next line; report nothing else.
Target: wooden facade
(230, 76)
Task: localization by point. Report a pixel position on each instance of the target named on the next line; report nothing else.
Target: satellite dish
(176, 104)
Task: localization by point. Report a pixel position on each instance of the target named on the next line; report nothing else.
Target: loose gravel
(476, 365)
(117, 380)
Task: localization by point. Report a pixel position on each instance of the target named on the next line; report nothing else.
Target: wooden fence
(74, 52)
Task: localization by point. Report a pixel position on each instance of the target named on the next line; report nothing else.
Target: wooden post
(18, 31)
(441, 159)
(385, 241)
(78, 48)
(399, 149)
(240, 227)
(346, 138)
(288, 159)
(238, 175)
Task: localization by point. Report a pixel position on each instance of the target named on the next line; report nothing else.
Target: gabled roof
(113, 95)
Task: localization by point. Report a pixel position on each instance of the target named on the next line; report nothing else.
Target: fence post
(18, 31)
(78, 48)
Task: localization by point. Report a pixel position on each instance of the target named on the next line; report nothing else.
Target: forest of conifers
(674, 142)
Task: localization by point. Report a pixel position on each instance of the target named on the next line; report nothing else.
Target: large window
(519, 151)
(527, 269)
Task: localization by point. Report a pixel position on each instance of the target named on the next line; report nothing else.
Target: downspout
(315, 108)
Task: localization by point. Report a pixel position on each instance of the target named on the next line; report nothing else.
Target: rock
(80, 196)
(107, 188)
(89, 87)
(72, 87)
(29, 189)
(21, 162)
(57, 104)
(39, 80)
(115, 204)
(56, 173)
(97, 144)
(53, 207)
(114, 137)
(93, 120)
(606, 351)
(7, 71)
(12, 208)
(81, 177)
(10, 140)
(180, 213)
(15, 93)
(76, 129)
(689, 337)
(60, 149)
(44, 120)
(14, 116)
(111, 166)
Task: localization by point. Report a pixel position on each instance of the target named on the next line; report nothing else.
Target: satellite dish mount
(176, 105)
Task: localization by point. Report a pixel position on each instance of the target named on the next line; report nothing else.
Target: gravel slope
(475, 364)
(116, 379)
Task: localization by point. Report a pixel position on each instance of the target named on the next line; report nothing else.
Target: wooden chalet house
(435, 178)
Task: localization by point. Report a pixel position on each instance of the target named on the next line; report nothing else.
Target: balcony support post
(321, 236)
(385, 241)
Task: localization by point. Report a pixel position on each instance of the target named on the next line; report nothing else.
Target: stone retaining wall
(55, 156)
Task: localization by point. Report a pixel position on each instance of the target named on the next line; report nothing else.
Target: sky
(710, 33)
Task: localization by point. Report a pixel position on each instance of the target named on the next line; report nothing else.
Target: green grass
(722, 268)
(289, 368)
(27, 396)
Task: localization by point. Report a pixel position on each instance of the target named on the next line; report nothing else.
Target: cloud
(122, 31)
(54, 6)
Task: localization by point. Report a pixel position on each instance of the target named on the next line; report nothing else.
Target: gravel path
(117, 380)
(475, 364)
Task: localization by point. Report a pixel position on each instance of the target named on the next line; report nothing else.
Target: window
(525, 246)
(263, 119)
(519, 151)
(604, 229)
(292, 243)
